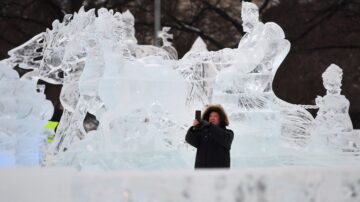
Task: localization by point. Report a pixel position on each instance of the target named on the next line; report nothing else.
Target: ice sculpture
(140, 119)
(24, 112)
(79, 94)
(81, 41)
(80, 57)
(245, 87)
(333, 126)
(263, 47)
(333, 108)
(143, 96)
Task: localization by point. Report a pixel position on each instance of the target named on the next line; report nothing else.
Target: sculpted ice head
(249, 16)
(332, 79)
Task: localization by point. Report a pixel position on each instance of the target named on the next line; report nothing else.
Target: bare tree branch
(198, 16)
(8, 41)
(263, 6)
(332, 47)
(59, 12)
(327, 14)
(21, 18)
(224, 15)
(188, 28)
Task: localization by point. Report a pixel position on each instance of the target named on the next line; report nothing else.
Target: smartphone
(198, 115)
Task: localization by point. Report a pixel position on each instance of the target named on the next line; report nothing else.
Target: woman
(211, 138)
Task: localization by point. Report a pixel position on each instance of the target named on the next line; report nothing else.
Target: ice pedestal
(295, 184)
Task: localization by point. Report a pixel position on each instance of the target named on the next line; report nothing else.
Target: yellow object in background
(51, 125)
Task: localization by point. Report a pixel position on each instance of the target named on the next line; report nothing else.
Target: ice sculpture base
(295, 184)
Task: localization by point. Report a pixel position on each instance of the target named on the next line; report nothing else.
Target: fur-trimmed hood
(224, 121)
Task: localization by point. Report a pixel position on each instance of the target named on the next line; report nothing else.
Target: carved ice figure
(24, 112)
(89, 46)
(60, 55)
(333, 107)
(136, 130)
(249, 79)
(165, 36)
(263, 47)
(84, 58)
(245, 87)
(333, 125)
(73, 55)
(251, 67)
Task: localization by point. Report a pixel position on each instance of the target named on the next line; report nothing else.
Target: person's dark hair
(224, 121)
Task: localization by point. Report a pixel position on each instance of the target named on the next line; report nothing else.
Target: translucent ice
(23, 115)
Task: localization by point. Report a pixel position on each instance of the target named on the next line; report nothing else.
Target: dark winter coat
(213, 145)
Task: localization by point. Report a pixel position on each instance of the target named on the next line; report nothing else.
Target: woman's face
(214, 118)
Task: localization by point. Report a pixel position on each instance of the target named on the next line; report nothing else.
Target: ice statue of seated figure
(248, 82)
(333, 125)
(245, 88)
(263, 47)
